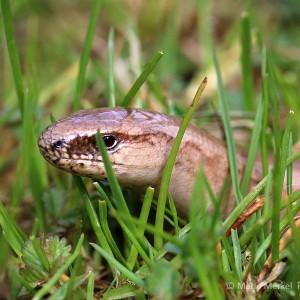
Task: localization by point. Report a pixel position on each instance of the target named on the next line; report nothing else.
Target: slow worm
(138, 143)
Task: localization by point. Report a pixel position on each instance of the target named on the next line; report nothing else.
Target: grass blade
(228, 132)
(113, 182)
(13, 234)
(254, 144)
(251, 232)
(35, 165)
(132, 257)
(237, 254)
(95, 11)
(246, 63)
(130, 275)
(198, 248)
(141, 79)
(174, 214)
(91, 213)
(162, 198)
(46, 288)
(289, 168)
(13, 51)
(111, 81)
(278, 187)
(246, 201)
(152, 229)
(107, 232)
(265, 99)
(90, 287)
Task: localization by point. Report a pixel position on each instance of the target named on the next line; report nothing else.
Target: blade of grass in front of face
(113, 182)
(107, 232)
(91, 213)
(13, 51)
(278, 187)
(166, 177)
(51, 282)
(111, 81)
(228, 132)
(84, 58)
(254, 144)
(130, 275)
(246, 63)
(141, 79)
(132, 257)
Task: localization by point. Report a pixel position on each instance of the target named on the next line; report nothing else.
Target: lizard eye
(110, 141)
(58, 144)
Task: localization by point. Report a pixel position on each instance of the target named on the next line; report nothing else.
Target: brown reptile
(138, 143)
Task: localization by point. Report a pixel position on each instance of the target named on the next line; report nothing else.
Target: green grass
(84, 58)
(65, 233)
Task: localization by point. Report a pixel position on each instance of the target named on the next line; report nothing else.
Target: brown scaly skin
(139, 143)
